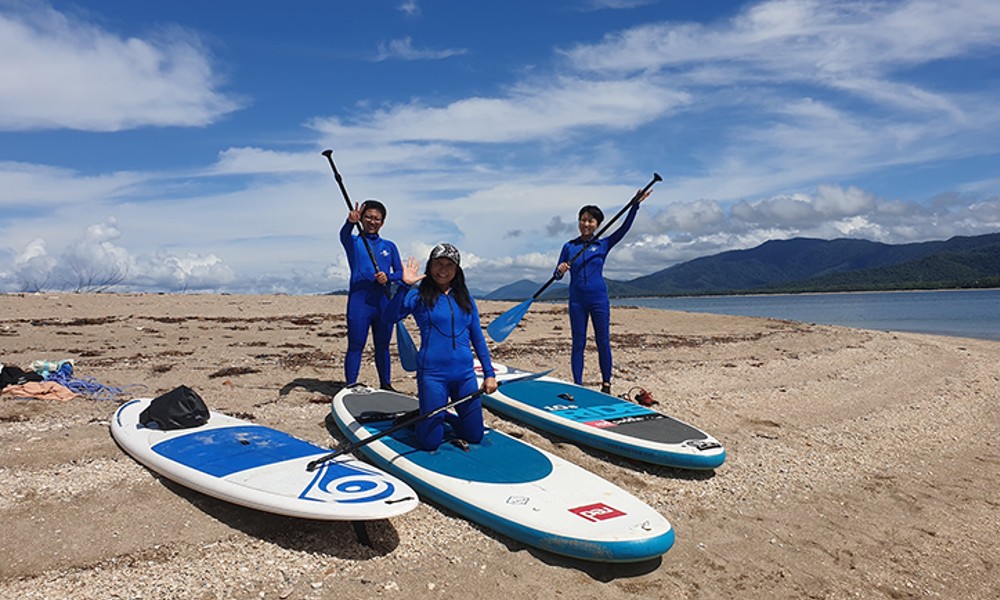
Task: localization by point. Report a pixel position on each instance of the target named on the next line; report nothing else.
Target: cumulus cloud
(30, 270)
(556, 227)
(690, 218)
(92, 262)
(684, 231)
(61, 73)
(96, 262)
(187, 272)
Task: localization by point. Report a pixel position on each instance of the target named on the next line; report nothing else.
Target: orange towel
(42, 390)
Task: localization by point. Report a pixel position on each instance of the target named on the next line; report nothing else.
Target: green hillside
(804, 264)
(813, 265)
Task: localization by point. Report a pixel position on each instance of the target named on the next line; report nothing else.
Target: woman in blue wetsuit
(588, 293)
(450, 330)
(367, 297)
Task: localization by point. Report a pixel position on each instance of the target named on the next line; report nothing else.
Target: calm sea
(963, 313)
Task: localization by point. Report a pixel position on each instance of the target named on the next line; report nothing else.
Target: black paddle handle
(350, 207)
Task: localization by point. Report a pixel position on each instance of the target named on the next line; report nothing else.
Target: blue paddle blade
(501, 327)
(407, 349)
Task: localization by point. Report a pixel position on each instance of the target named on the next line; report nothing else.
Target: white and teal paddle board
(590, 418)
(261, 468)
(509, 486)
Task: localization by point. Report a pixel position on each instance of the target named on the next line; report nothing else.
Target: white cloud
(690, 218)
(614, 4)
(409, 8)
(188, 272)
(754, 121)
(804, 39)
(256, 161)
(403, 49)
(42, 188)
(30, 270)
(60, 73)
(775, 58)
(95, 262)
(528, 112)
(351, 159)
(684, 231)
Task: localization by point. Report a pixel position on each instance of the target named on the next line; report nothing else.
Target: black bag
(180, 408)
(10, 375)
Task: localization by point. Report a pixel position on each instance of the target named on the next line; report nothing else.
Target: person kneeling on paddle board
(450, 330)
(588, 293)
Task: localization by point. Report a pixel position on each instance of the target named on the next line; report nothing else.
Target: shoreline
(859, 314)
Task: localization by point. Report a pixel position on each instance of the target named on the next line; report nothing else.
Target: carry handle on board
(413, 420)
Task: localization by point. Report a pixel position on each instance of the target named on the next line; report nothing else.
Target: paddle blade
(407, 349)
(501, 327)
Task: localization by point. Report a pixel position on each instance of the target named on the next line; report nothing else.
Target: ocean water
(962, 313)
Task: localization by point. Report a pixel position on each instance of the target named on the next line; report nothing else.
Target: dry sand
(861, 464)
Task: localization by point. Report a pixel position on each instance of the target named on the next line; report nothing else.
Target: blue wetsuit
(588, 296)
(367, 300)
(445, 369)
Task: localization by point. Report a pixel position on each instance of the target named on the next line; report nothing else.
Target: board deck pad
(603, 421)
(261, 468)
(509, 486)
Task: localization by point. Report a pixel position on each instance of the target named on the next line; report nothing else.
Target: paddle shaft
(347, 198)
(412, 421)
(594, 238)
(403, 339)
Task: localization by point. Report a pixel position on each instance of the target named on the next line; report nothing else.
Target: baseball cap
(446, 250)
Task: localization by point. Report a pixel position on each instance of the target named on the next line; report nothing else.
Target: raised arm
(398, 308)
(617, 236)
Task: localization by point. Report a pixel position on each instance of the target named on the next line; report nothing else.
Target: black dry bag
(179, 408)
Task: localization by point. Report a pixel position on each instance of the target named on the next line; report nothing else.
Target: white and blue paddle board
(509, 486)
(590, 418)
(261, 468)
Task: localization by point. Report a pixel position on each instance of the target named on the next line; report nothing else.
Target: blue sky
(177, 144)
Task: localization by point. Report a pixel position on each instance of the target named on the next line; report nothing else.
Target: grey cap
(446, 250)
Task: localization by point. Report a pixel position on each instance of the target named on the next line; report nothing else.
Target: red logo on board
(597, 512)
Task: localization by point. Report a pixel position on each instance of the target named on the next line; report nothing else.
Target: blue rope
(89, 387)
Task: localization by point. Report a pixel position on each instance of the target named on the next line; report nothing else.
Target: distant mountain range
(809, 265)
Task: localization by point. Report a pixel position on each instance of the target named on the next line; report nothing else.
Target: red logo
(597, 512)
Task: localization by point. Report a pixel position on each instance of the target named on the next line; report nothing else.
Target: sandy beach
(861, 464)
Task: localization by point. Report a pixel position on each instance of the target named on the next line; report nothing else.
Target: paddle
(502, 326)
(404, 343)
(413, 420)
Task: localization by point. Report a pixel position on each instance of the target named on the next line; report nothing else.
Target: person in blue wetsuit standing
(450, 331)
(588, 293)
(367, 296)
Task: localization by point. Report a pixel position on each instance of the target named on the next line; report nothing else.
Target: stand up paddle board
(261, 468)
(508, 485)
(602, 421)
